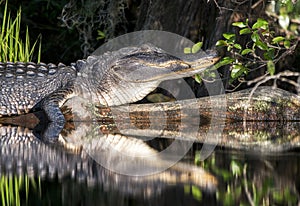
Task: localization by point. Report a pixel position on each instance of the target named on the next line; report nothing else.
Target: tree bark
(201, 20)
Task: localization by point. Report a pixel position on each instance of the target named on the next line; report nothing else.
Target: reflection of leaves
(196, 192)
(236, 168)
(231, 196)
(284, 197)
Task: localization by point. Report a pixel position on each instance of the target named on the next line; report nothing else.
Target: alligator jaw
(157, 65)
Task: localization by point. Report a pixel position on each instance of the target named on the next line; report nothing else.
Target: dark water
(243, 179)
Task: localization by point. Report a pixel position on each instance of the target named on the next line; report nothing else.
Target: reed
(12, 47)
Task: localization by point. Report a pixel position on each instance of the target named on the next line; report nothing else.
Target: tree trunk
(201, 20)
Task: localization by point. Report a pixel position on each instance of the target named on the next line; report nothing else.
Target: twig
(256, 4)
(221, 7)
(246, 186)
(263, 79)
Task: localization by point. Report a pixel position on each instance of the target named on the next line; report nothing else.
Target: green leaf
(255, 37)
(197, 47)
(271, 67)
(260, 24)
(245, 31)
(196, 192)
(101, 35)
(229, 47)
(221, 43)
(198, 78)
(261, 45)
(278, 39)
(287, 44)
(236, 168)
(284, 21)
(237, 46)
(238, 70)
(229, 36)
(223, 62)
(246, 51)
(239, 24)
(187, 50)
(269, 54)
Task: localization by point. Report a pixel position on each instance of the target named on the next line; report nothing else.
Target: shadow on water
(67, 172)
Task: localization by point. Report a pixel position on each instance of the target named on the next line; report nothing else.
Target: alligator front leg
(51, 106)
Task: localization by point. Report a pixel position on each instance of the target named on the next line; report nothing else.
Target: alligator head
(129, 74)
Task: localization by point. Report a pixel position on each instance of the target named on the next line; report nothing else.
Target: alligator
(21, 153)
(114, 78)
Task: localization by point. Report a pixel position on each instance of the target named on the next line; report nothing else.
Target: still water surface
(64, 178)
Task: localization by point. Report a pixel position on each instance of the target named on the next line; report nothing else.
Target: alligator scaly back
(24, 85)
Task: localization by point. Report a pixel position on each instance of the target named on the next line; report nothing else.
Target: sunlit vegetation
(12, 47)
(11, 188)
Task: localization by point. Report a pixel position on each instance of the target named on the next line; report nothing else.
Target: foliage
(12, 186)
(288, 14)
(264, 49)
(89, 17)
(239, 185)
(208, 72)
(12, 48)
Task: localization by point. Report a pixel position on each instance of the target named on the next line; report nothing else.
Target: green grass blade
(12, 48)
